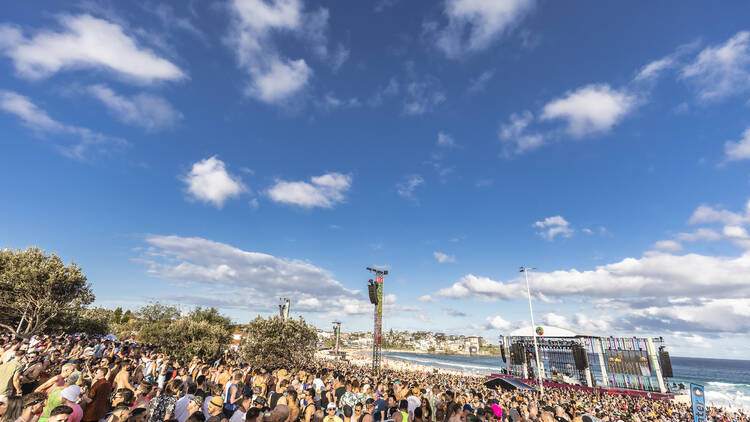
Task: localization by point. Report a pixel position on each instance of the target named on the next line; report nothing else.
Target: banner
(378, 332)
(698, 398)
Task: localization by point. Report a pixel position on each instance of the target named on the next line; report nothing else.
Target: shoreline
(364, 357)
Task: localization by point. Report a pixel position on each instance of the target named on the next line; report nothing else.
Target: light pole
(525, 271)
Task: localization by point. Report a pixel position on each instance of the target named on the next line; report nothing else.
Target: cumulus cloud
(497, 323)
(474, 24)
(443, 258)
(445, 140)
(246, 279)
(591, 109)
(274, 78)
(323, 191)
(208, 181)
(667, 245)
(482, 288)
(72, 141)
(514, 137)
(738, 150)
(426, 299)
(706, 214)
(149, 111)
(554, 226)
(722, 70)
(84, 42)
(454, 313)
(406, 188)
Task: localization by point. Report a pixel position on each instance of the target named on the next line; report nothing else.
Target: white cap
(71, 393)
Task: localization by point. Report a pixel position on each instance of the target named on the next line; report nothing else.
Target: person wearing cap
(216, 410)
(195, 405)
(70, 396)
(331, 415)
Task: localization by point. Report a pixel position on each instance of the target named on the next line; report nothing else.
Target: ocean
(727, 382)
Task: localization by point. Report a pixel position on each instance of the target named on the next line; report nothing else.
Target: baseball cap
(469, 408)
(331, 405)
(71, 393)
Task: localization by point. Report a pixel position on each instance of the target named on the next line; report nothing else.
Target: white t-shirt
(181, 412)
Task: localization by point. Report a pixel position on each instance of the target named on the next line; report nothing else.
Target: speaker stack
(666, 363)
(580, 356)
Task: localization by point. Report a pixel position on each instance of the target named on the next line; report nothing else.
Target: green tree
(212, 316)
(37, 288)
(185, 338)
(127, 316)
(117, 315)
(157, 311)
(275, 342)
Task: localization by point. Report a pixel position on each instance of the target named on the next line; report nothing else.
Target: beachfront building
(631, 363)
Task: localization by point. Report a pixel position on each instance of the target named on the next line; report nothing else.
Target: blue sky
(227, 154)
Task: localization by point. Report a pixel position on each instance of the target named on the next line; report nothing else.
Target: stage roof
(549, 331)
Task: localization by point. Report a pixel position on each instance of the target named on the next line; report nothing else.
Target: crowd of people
(81, 379)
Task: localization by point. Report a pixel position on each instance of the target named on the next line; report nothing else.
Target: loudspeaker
(516, 354)
(372, 292)
(580, 357)
(666, 364)
(502, 352)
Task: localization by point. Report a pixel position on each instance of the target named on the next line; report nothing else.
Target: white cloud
(323, 191)
(652, 70)
(497, 323)
(426, 299)
(84, 42)
(274, 78)
(667, 246)
(478, 84)
(706, 214)
(514, 137)
(723, 70)
(406, 188)
(245, 279)
(738, 150)
(590, 109)
(72, 141)
(146, 110)
(279, 80)
(482, 288)
(445, 140)
(553, 226)
(208, 181)
(443, 258)
(422, 96)
(700, 234)
(474, 24)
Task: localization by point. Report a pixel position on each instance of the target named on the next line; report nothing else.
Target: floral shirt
(161, 406)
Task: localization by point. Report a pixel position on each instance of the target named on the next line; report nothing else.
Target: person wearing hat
(70, 396)
(216, 410)
(194, 405)
(331, 414)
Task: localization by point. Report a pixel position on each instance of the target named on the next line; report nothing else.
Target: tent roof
(549, 331)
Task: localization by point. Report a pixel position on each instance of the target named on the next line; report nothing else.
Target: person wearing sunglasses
(331, 414)
(32, 405)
